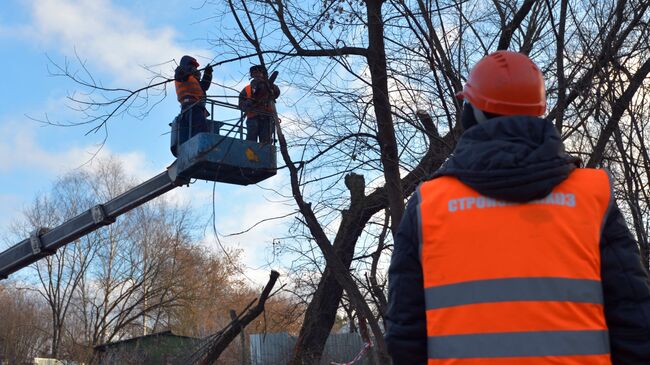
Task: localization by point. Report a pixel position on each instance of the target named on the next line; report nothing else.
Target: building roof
(168, 333)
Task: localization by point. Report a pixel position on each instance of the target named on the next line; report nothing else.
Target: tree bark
(381, 103)
(321, 312)
(236, 326)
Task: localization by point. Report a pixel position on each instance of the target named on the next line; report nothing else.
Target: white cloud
(108, 36)
(23, 156)
(194, 195)
(259, 277)
(21, 150)
(7, 215)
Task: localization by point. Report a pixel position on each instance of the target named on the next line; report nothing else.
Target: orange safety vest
(509, 283)
(249, 95)
(189, 91)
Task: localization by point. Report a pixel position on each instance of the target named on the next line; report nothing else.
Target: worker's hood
(188, 61)
(513, 158)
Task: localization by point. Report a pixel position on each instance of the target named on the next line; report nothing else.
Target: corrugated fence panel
(271, 348)
(343, 347)
(277, 348)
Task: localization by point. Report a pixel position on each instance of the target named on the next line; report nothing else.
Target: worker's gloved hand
(246, 105)
(260, 89)
(208, 69)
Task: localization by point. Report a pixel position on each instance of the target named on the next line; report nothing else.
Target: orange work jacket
(189, 91)
(513, 284)
(249, 95)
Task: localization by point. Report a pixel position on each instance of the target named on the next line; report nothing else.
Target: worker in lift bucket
(257, 101)
(511, 253)
(190, 92)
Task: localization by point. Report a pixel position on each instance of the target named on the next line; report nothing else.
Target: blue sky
(114, 38)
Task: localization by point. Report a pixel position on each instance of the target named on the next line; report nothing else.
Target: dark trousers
(259, 127)
(194, 117)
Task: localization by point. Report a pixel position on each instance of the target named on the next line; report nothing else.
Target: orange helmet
(506, 83)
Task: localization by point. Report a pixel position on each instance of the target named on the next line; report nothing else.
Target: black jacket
(263, 92)
(519, 159)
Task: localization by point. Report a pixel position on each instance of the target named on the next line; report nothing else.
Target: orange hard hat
(506, 83)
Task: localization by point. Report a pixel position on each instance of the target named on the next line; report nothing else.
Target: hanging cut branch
(238, 324)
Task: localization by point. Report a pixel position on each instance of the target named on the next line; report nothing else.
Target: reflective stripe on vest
(249, 95)
(189, 91)
(510, 283)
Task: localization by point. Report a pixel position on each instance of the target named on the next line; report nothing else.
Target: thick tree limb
(618, 109)
(236, 326)
(509, 29)
(338, 269)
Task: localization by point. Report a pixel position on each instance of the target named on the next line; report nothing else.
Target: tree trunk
(234, 328)
(382, 107)
(321, 312)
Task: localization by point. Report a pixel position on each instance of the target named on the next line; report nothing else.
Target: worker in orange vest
(256, 100)
(511, 253)
(190, 92)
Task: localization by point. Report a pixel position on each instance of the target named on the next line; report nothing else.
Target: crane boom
(43, 241)
(220, 155)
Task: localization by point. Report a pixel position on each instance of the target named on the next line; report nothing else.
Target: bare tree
(23, 334)
(425, 49)
(381, 78)
(59, 275)
(134, 279)
(118, 280)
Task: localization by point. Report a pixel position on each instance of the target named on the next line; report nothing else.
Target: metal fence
(277, 348)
